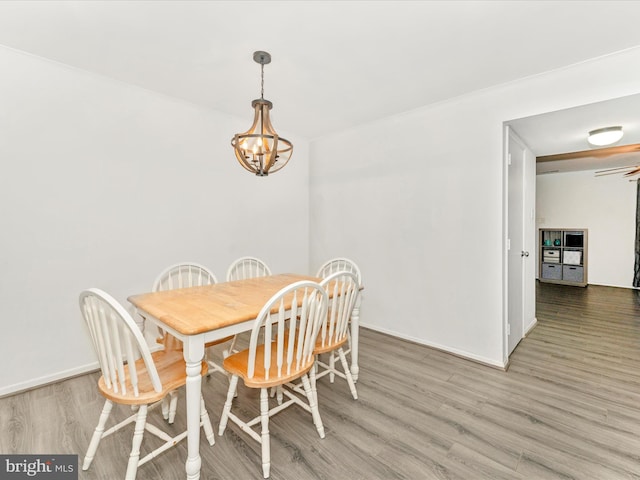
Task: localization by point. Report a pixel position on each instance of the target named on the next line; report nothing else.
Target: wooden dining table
(197, 315)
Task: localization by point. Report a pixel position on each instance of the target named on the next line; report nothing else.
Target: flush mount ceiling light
(605, 136)
(260, 149)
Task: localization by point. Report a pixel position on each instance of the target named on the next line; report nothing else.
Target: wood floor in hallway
(567, 408)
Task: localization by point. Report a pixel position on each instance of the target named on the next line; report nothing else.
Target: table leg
(193, 356)
(355, 332)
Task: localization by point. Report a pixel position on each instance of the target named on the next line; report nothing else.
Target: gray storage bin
(573, 274)
(551, 271)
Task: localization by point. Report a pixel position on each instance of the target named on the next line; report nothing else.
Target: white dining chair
(132, 375)
(184, 275)
(343, 289)
(247, 267)
(341, 264)
(295, 314)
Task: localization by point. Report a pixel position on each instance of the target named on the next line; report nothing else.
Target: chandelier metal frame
(260, 149)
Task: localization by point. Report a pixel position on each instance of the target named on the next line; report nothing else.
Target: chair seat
(328, 346)
(171, 370)
(237, 364)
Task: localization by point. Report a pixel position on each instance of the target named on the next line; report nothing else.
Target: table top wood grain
(195, 310)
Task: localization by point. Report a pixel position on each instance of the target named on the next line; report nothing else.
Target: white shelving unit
(563, 256)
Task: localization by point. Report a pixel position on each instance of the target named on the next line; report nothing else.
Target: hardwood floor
(568, 408)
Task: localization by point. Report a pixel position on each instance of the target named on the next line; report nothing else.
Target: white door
(517, 254)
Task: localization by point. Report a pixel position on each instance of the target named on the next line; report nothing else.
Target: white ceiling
(336, 64)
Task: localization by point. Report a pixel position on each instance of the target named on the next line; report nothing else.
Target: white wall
(606, 206)
(103, 185)
(418, 201)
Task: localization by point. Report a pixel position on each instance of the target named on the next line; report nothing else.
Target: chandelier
(260, 149)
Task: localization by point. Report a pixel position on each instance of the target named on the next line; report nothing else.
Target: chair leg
(134, 457)
(312, 379)
(277, 392)
(165, 407)
(97, 434)
(315, 413)
(173, 406)
(228, 352)
(332, 367)
(347, 373)
(264, 439)
(227, 405)
(206, 422)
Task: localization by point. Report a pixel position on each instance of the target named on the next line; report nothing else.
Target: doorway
(565, 131)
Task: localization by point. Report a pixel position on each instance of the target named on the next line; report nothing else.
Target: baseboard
(608, 285)
(47, 379)
(615, 286)
(453, 351)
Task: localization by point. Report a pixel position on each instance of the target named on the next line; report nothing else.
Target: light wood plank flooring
(568, 408)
